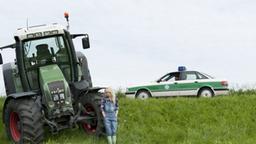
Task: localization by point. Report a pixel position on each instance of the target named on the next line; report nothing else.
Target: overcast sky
(136, 41)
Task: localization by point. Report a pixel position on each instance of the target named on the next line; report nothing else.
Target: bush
(120, 94)
(242, 92)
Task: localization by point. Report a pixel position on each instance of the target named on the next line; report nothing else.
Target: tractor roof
(39, 31)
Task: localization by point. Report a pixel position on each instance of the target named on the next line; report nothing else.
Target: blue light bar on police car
(182, 68)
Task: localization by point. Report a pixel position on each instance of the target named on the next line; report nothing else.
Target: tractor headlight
(55, 97)
(57, 90)
(62, 97)
(34, 35)
(54, 32)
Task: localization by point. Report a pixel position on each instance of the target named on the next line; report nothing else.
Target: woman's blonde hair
(110, 94)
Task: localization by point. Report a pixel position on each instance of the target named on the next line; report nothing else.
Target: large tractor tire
(91, 103)
(23, 121)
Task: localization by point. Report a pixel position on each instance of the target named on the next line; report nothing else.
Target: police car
(180, 83)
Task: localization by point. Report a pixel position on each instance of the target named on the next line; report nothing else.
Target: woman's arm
(102, 107)
(116, 113)
(117, 106)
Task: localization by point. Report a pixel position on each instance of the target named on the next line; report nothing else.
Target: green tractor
(49, 85)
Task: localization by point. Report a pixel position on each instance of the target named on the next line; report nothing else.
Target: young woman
(109, 108)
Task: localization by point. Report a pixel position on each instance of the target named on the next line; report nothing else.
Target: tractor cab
(43, 45)
(48, 47)
(46, 64)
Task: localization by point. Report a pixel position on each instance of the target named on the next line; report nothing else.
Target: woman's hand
(103, 114)
(116, 113)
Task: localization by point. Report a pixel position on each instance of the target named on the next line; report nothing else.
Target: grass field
(219, 120)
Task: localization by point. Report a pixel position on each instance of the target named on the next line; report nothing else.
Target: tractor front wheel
(23, 121)
(91, 103)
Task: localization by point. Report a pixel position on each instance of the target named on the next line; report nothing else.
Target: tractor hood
(55, 91)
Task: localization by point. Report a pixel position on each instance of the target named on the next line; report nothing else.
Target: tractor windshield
(45, 51)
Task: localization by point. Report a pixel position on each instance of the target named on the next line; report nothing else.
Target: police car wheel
(207, 93)
(143, 95)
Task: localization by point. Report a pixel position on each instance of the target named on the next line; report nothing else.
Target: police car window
(200, 76)
(174, 77)
(164, 78)
(167, 78)
(189, 76)
(208, 76)
(170, 77)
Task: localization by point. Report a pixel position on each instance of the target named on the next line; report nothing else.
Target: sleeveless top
(109, 107)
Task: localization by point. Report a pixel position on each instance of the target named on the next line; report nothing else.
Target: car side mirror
(1, 59)
(85, 42)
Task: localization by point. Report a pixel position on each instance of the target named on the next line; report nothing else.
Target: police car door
(189, 83)
(167, 85)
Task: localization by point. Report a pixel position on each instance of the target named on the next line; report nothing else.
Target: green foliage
(228, 119)
(219, 120)
(120, 94)
(3, 138)
(242, 92)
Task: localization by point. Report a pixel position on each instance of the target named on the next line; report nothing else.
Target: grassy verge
(3, 138)
(220, 120)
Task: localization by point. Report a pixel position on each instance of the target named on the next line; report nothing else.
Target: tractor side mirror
(1, 59)
(85, 42)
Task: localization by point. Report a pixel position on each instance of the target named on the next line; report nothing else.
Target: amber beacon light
(66, 15)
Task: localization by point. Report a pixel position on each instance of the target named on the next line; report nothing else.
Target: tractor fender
(80, 88)
(8, 78)
(84, 67)
(95, 89)
(16, 96)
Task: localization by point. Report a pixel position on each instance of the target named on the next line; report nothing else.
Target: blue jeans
(110, 125)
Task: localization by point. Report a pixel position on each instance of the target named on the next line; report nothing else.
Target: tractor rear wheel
(91, 103)
(23, 121)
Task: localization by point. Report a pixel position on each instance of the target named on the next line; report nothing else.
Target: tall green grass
(3, 138)
(219, 120)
